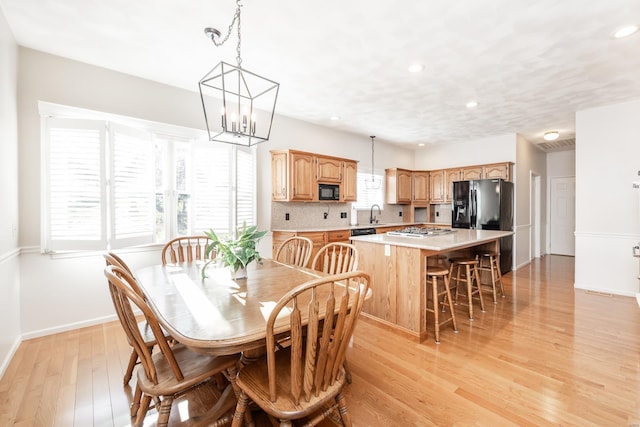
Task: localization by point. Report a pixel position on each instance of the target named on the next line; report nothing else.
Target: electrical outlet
(325, 215)
(437, 213)
(343, 214)
(400, 213)
(286, 216)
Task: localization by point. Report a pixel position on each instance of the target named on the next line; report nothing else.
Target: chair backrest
(186, 249)
(335, 258)
(122, 285)
(295, 251)
(317, 351)
(113, 259)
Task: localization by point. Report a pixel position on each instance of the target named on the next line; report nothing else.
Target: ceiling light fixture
(625, 31)
(334, 118)
(551, 136)
(245, 101)
(372, 183)
(472, 104)
(416, 68)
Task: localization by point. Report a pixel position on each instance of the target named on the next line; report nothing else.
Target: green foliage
(236, 252)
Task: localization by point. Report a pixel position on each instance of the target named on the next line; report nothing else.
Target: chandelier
(238, 105)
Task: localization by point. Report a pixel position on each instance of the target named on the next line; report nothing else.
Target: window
(109, 184)
(368, 197)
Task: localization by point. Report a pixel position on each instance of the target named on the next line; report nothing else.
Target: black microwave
(328, 192)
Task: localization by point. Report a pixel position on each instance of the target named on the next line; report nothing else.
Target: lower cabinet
(318, 238)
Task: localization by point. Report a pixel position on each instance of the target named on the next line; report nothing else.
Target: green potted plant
(234, 253)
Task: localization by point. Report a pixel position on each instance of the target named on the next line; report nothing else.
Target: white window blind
(212, 187)
(132, 187)
(73, 183)
(368, 197)
(246, 191)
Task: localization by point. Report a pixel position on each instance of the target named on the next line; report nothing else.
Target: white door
(563, 216)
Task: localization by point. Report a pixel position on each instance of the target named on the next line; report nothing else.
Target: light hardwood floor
(544, 355)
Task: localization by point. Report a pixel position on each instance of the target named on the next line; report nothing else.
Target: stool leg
(434, 290)
(477, 277)
(499, 271)
(493, 278)
(469, 290)
(453, 314)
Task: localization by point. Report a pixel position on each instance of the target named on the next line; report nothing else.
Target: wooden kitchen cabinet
(302, 177)
(421, 190)
(498, 170)
(474, 172)
(279, 183)
(349, 190)
(329, 169)
(436, 181)
(318, 238)
(277, 238)
(398, 186)
(339, 236)
(451, 175)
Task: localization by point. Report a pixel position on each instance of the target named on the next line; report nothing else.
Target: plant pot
(240, 273)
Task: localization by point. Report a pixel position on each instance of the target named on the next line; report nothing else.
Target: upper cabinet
(451, 176)
(436, 179)
(295, 176)
(497, 170)
(421, 190)
(349, 191)
(474, 172)
(329, 169)
(398, 186)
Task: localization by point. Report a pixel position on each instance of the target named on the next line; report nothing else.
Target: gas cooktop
(420, 232)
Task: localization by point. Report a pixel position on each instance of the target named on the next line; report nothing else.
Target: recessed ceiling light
(334, 118)
(551, 136)
(472, 104)
(415, 68)
(421, 145)
(625, 31)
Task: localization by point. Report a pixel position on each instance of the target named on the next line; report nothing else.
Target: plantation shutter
(211, 187)
(366, 196)
(245, 195)
(132, 180)
(74, 185)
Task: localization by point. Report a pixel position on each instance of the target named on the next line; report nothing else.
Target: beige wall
(9, 260)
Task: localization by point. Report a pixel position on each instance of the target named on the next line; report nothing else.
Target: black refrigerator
(485, 204)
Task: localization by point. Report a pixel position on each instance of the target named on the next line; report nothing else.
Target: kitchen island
(397, 267)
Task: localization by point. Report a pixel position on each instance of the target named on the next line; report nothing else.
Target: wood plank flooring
(545, 355)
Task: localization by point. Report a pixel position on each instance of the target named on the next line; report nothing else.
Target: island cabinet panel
(397, 286)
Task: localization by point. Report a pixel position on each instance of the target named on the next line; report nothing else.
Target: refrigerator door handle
(474, 208)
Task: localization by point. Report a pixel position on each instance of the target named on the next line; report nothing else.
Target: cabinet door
(277, 238)
(500, 170)
(404, 186)
(279, 176)
(436, 179)
(318, 239)
(471, 173)
(341, 236)
(302, 177)
(420, 187)
(349, 190)
(451, 176)
(329, 170)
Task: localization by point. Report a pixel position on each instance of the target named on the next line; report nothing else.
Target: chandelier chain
(236, 17)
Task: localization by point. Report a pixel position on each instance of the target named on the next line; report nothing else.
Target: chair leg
(164, 411)
(135, 404)
(142, 412)
(241, 408)
(133, 359)
(342, 408)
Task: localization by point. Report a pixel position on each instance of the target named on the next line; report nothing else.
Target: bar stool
(490, 262)
(440, 296)
(465, 270)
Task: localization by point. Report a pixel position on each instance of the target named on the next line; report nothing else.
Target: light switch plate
(387, 250)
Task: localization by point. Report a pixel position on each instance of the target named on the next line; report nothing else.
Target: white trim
(9, 356)
(606, 235)
(14, 253)
(69, 327)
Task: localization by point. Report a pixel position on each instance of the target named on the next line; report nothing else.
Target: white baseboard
(9, 356)
(68, 327)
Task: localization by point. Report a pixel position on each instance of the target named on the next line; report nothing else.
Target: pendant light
(238, 105)
(372, 183)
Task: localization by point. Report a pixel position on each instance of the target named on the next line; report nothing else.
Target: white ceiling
(530, 64)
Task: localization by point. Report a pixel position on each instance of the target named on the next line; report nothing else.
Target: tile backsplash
(306, 215)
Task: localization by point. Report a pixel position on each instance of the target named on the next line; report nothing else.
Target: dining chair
(165, 374)
(143, 327)
(335, 258)
(186, 249)
(295, 251)
(307, 377)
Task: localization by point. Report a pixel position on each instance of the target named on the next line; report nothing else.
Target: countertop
(353, 227)
(457, 239)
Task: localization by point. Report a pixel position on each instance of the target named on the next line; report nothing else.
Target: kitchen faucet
(372, 218)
